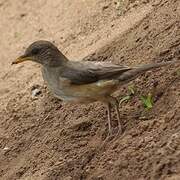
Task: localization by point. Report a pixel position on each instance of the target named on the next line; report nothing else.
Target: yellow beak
(21, 59)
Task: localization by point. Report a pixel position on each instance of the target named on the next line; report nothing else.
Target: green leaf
(125, 99)
(131, 90)
(147, 101)
(16, 34)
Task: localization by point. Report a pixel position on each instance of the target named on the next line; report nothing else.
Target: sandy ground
(44, 139)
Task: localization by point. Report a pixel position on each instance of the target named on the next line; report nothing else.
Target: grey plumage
(83, 72)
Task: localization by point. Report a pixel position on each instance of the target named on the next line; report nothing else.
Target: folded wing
(85, 72)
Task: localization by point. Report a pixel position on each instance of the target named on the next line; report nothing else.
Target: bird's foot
(109, 137)
(119, 130)
(113, 133)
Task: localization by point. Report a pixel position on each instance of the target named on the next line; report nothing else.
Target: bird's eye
(35, 51)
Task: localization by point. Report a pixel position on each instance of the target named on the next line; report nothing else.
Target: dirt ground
(43, 138)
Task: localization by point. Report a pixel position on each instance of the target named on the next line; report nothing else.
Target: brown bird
(82, 81)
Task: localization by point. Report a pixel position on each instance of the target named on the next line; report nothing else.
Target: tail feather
(138, 70)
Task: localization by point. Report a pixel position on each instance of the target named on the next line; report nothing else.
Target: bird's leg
(118, 117)
(109, 118)
(114, 102)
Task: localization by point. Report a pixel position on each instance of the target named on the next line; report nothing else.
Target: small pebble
(35, 91)
(5, 148)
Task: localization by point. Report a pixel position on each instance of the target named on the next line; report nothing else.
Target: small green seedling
(16, 34)
(125, 99)
(131, 90)
(131, 93)
(147, 101)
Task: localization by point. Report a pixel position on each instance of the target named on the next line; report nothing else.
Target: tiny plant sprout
(147, 101)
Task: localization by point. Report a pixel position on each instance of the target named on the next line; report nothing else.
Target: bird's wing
(85, 72)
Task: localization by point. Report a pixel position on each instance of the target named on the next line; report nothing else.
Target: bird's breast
(51, 78)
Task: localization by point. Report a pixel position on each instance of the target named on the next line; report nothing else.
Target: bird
(83, 81)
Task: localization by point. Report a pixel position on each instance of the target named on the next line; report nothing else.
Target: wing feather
(84, 72)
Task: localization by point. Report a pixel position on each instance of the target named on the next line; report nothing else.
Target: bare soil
(43, 138)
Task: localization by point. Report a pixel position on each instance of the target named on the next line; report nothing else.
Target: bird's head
(43, 52)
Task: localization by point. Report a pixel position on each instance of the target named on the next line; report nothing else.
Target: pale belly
(86, 93)
(72, 99)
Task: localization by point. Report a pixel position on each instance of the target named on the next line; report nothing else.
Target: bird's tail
(138, 70)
